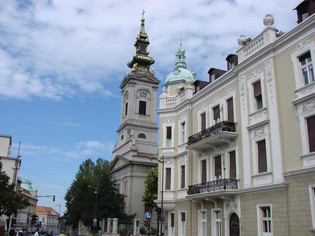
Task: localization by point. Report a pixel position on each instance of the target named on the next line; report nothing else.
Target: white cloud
(56, 49)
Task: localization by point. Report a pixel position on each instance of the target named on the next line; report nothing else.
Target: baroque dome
(180, 74)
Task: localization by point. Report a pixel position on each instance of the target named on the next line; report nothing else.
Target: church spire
(140, 62)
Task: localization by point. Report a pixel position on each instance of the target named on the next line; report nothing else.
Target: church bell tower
(136, 144)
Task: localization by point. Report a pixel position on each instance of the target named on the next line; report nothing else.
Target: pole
(162, 195)
(16, 168)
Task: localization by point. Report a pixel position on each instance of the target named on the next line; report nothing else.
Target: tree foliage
(10, 200)
(151, 185)
(93, 187)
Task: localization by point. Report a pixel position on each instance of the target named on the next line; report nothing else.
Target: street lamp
(95, 219)
(162, 191)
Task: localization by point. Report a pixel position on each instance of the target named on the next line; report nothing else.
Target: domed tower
(136, 146)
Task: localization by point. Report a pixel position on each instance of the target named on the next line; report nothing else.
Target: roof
(46, 210)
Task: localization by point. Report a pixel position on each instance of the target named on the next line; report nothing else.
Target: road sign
(148, 215)
(94, 220)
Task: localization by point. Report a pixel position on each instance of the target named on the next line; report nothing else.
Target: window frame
(312, 203)
(230, 109)
(311, 146)
(261, 219)
(183, 176)
(256, 76)
(310, 75)
(168, 178)
(142, 107)
(301, 48)
(216, 221)
(202, 222)
(182, 223)
(261, 148)
(203, 175)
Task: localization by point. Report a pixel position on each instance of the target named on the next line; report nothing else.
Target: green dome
(180, 74)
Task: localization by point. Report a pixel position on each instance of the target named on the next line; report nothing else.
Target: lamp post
(95, 219)
(162, 191)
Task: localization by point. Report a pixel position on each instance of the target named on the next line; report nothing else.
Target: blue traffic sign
(148, 215)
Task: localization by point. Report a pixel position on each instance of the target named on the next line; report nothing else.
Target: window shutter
(232, 165)
(169, 132)
(262, 160)
(217, 165)
(230, 109)
(203, 171)
(216, 113)
(311, 133)
(183, 177)
(257, 88)
(168, 179)
(203, 121)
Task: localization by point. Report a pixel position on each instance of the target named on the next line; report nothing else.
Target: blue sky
(62, 61)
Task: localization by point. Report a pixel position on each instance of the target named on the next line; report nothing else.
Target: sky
(62, 61)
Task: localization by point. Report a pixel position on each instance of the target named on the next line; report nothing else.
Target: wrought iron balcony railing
(212, 186)
(212, 131)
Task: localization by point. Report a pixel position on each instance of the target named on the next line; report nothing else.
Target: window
(125, 188)
(182, 182)
(202, 223)
(311, 133)
(216, 114)
(230, 109)
(182, 224)
(168, 136)
(126, 108)
(172, 219)
(217, 167)
(172, 224)
(142, 136)
(203, 171)
(262, 159)
(258, 95)
(203, 121)
(307, 68)
(265, 220)
(183, 135)
(168, 179)
(142, 107)
(216, 222)
(312, 201)
(232, 165)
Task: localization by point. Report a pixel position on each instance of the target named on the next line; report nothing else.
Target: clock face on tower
(143, 93)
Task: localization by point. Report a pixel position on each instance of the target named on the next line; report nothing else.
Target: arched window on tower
(142, 136)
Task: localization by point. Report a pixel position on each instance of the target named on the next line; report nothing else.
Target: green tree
(10, 200)
(150, 193)
(92, 188)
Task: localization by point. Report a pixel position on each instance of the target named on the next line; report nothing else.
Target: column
(115, 226)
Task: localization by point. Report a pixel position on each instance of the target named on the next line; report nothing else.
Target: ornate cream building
(239, 150)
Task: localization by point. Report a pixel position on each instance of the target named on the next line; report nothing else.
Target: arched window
(142, 136)
(234, 225)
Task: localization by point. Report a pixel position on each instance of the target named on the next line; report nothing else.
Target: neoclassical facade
(239, 149)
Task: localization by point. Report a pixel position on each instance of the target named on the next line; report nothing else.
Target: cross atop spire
(140, 62)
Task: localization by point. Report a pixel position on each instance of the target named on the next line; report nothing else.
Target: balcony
(222, 132)
(221, 187)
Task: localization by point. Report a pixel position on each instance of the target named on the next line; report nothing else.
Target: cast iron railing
(211, 131)
(212, 186)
